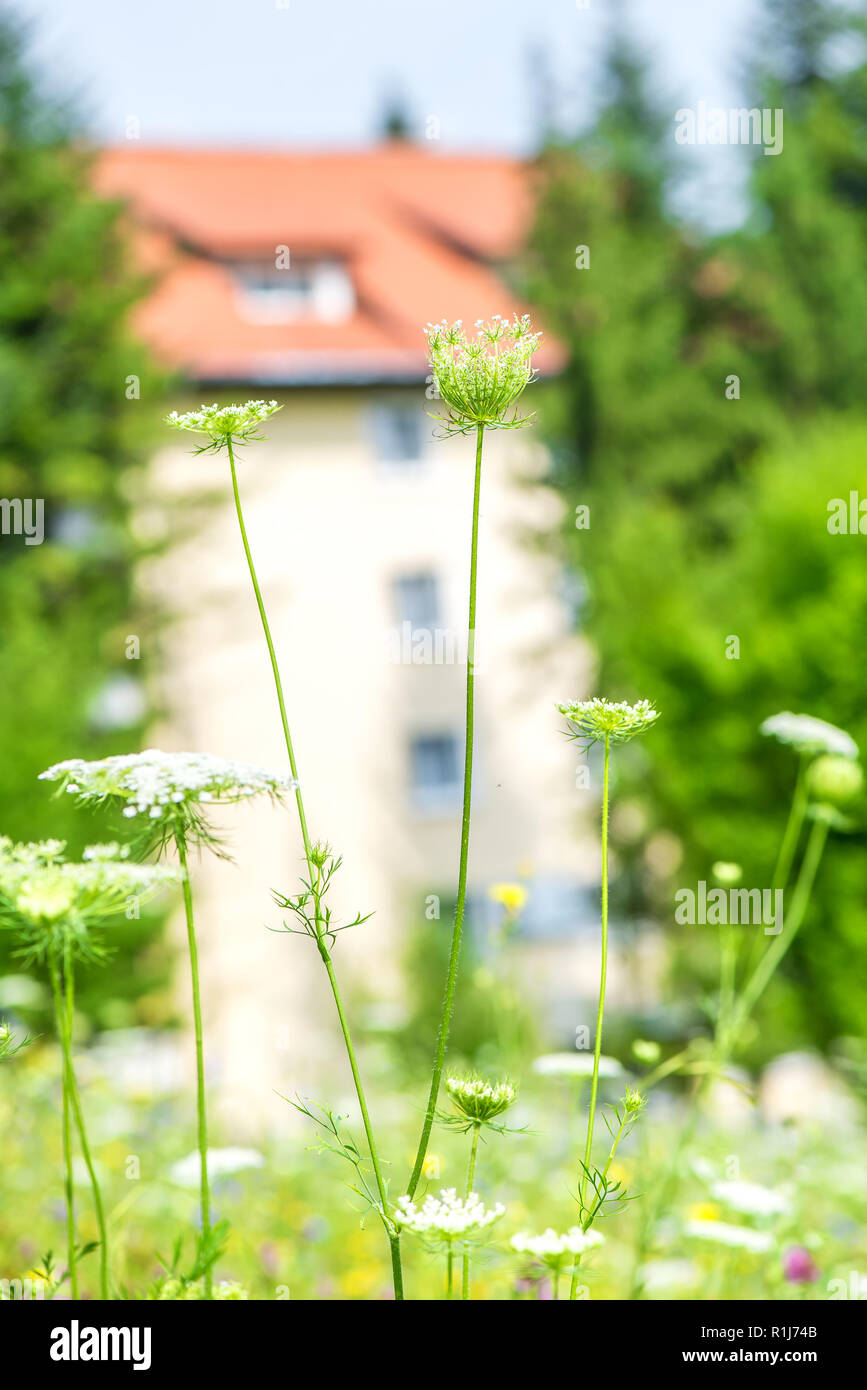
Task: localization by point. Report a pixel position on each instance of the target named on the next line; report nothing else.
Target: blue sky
(314, 72)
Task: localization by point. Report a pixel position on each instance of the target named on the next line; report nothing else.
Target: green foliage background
(67, 605)
(708, 515)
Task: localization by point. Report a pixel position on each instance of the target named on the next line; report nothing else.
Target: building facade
(312, 287)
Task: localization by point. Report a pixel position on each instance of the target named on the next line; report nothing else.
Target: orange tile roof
(419, 234)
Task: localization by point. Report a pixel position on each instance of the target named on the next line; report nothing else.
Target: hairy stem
(201, 1109)
(63, 1034)
(78, 1114)
(313, 876)
(471, 1173)
(600, 1013)
(454, 955)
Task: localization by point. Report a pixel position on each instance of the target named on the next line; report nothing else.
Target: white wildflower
(595, 720)
(575, 1064)
(186, 1172)
(447, 1217)
(227, 424)
(552, 1249)
(157, 784)
(480, 379)
(738, 1237)
(807, 734)
(751, 1198)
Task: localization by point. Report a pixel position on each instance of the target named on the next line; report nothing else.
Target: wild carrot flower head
(223, 425)
(480, 1101)
(440, 1220)
(593, 721)
(168, 790)
(481, 376)
(52, 902)
(552, 1249)
(806, 734)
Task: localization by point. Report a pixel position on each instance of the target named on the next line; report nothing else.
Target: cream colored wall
(330, 527)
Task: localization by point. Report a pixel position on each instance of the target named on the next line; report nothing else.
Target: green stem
(313, 875)
(450, 1272)
(78, 1114)
(201, 1110)
(454, 955)
(600, 1013)
(368, 1128)
(792, 831)
(62, 1032)
(471, 1173)
(761, 977)
(597, 1048)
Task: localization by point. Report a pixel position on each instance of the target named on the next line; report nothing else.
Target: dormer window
(320, 290)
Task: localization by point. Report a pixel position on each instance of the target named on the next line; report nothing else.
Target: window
(397, 431)
(416, 600)
(305, 289)
(435, 771)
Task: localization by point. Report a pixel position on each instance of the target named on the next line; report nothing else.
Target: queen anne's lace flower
(751, 1198)
(480, 378)
(575, 1064)
(163, 785)
(447, 1217)
(235, 424)
(595, 720)
(552, 1249)
(479, 1100)
(49, 900)
(807, 734)
(738, 1237)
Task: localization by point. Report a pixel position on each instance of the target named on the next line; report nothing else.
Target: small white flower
(153, 782)
(480, 379)
(595, 720)
(751, 1198)
(552, 1249)
(221, 1162)
(575, 1064)
(237, 424)
(738, 1237)
(809, 735)
(447, 1217)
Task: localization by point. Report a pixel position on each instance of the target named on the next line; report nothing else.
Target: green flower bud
(835, 780)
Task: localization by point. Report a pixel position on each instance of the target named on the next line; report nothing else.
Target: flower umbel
(480, 378)
(52, 902)
(227, 424)
(806, 734)
(440, 1220)
(598, 719)
(553, 1250)
(479, 1101)
(167, 788)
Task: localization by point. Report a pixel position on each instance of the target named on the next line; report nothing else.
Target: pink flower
(799, 1267)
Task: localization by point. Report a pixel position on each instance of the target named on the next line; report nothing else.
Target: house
(308, 278)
